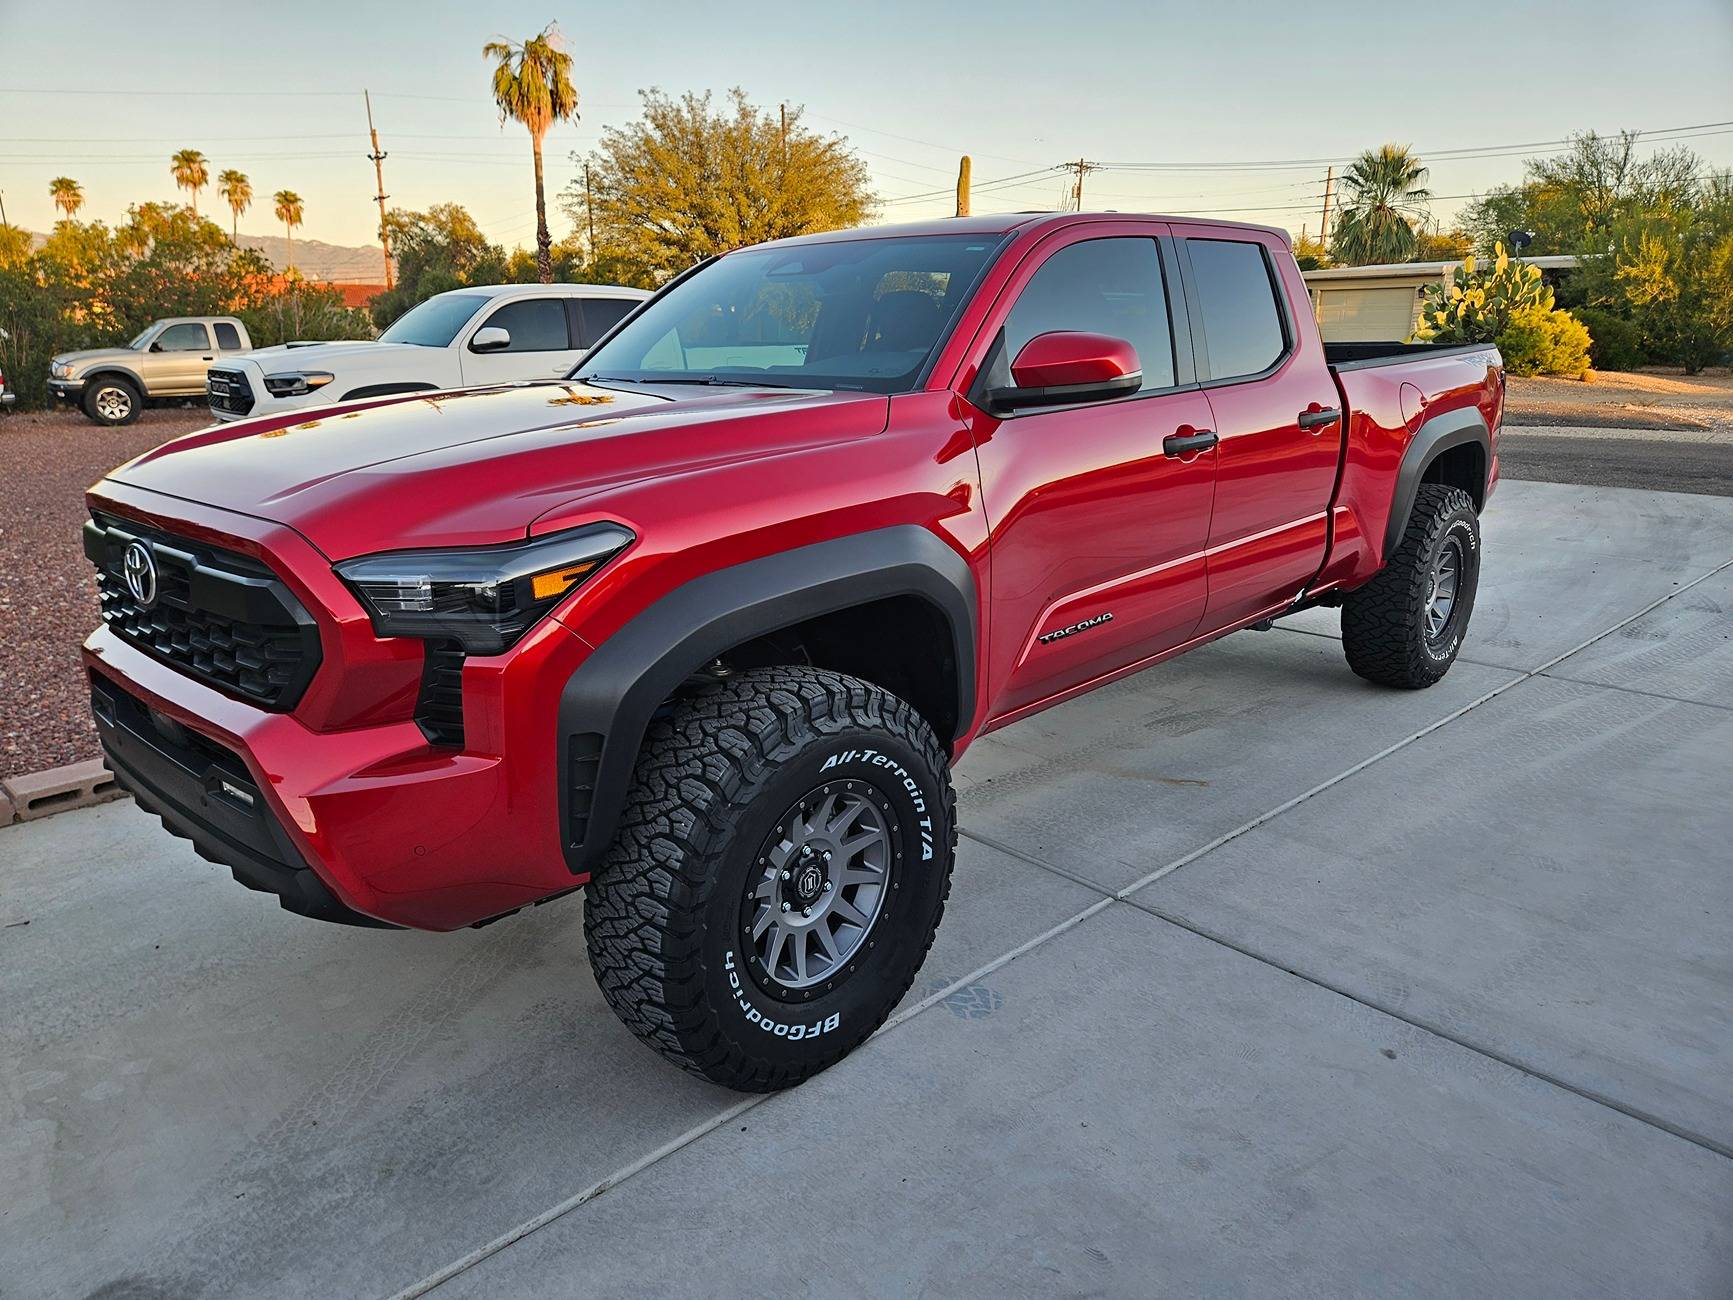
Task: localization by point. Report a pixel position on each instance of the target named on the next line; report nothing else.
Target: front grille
(439, 707)
(217, 615)
(228, 391)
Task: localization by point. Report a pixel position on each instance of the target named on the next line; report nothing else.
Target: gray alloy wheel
(1441, 593)
(826, 870)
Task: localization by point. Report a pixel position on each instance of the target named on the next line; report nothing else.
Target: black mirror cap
(1022, 399)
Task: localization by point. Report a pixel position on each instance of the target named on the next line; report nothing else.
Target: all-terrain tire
(1385, 631)
(112, 400)
(669, 917)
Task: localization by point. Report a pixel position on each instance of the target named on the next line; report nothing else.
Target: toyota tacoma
(701, 628)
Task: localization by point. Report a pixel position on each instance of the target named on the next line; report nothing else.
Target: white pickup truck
(462, 339)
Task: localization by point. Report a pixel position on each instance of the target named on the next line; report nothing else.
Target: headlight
(296, 382)
(484, 597)
(60, 369)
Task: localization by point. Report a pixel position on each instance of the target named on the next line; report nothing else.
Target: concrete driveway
(1256, 980)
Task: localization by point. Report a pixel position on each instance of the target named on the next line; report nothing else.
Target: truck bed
(1362, 356)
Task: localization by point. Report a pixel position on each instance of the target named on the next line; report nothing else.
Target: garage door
(1366, 315)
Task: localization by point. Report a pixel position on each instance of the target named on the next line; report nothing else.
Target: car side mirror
(156, 345)
(1068, 366)
(490, 338)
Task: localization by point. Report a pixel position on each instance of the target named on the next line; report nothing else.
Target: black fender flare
(606, 705)
(121, 372)
(1431, 439)
(386, 390)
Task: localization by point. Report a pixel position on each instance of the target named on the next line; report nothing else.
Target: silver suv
(167, 360)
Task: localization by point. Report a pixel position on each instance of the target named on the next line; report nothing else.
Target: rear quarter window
(1242, 321)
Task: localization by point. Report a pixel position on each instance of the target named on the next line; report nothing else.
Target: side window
(228, 337)
(535, 325)
(1101, 286)
(601, 315)
(188, 336)
(1242, 323)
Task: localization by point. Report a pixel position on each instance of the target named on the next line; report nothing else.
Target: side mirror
(156, 345)
(1067, 366)
(490, 338)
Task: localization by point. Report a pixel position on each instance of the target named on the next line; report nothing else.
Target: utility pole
(379, 176)
(784, 108)
(589, 212)
(1082, 167)
(963, 187)
(2, 207)
(1324, 225)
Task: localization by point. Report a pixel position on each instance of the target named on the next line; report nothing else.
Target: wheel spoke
(849, 912)
(798, 938)
(762, 923)
(858, 843)
(827, 943)
(850, 813)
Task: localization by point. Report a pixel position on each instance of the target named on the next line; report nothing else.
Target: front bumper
(346, 787)
(7, 399)
(66, 390)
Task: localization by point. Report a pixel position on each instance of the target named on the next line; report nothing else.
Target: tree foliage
(237, 192)
(191, 172)
(68, 195)
(691, 179)
(1383, 202)
(1508, 304)
(93, 286)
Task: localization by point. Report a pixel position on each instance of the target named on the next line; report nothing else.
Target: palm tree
(237, 192)
(532, 84)
(289, 213)
(1383, 200)
(191, 173)
(68, 195)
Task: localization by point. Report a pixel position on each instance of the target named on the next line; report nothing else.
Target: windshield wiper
(716, 381)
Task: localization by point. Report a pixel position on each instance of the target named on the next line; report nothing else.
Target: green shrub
(1617, 343)
(1476, 305)
(1540, 340)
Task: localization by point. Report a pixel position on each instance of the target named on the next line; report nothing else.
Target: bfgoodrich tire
(1405, 627)
(780, 869)
(112, 400)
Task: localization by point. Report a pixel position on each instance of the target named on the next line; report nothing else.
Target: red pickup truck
(702, 628)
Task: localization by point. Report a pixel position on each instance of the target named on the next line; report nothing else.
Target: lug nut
(787, 906)
(827, 855)
(827, 886)
(787, 874)
(806, 911)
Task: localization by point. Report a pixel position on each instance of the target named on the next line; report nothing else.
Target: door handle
(1318, 419)
(1178, 444)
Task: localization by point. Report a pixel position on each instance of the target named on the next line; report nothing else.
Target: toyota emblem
(138, 568)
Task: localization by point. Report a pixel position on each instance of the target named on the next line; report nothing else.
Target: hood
(478, 466)
(312, 356)
(94, 354)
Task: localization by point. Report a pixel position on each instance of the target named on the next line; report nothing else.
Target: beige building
(1363, 304)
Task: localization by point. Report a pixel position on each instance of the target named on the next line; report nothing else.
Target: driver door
(1098, 529)
(180, 355)
(541, 344)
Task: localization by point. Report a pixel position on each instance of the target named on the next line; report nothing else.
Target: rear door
(1271, 396)
(541, 343)
(1098, 532)
(594, 317)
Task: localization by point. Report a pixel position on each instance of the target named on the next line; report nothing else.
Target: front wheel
(1404, 627)
(780, 870)
(112, 400)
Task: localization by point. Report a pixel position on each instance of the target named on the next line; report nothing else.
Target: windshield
(137, 345)
(435, 323)
(860, 314)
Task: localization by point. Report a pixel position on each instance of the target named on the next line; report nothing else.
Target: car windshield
(137, 344)
(435, 323)
(863, 314)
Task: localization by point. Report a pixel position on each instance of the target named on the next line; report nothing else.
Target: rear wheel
(111, 400)
(1404, 627)
(780, 870)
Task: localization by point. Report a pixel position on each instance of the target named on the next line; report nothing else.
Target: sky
(1233, 107)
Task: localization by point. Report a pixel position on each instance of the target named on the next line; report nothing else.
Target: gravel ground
(1656, 398)
(47, 593)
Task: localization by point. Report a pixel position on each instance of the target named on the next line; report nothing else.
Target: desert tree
(290, 212)
(191, 172)
(532, 84)
(1383, 204)
(237, 192)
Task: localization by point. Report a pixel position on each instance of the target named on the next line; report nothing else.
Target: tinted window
(228, 337)
(848, 313)
(1101, 286)
(536, 325)
(185, 337)
(435, 323)
(601, 315)
(1242, 324)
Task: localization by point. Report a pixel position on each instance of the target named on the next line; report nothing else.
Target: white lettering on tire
(793, 1033)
